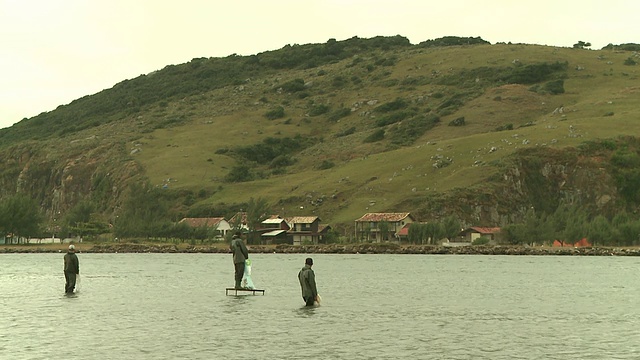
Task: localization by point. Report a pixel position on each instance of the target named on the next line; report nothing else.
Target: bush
(294, 85)
(409, 131)
(339, 114)
(505, 127)
(482, 240)
(397, 104)
(375, 136)
(346, 132)
(325, 164)
(630, 61)
(554, 87)
(317, 110)
(457, 122)
(276, 113)
(394, 117)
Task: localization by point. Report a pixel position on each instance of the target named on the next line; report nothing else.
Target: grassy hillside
(191, 138)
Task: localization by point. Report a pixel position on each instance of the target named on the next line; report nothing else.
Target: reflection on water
(174, 306)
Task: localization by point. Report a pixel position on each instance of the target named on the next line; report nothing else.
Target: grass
(373, 177)
(368, 179)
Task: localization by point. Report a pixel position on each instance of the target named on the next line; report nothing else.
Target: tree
(576, 226)
(81, 220)
(20, 216)
(451, 227)
(144, 213)
(256, 213)
(384, 227)
(581, 45)
(433, 232)
(600, 231)
(536, 229)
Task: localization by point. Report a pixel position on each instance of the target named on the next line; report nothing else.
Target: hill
(452, 126)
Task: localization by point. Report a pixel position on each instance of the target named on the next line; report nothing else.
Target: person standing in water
(240, 254)
(71, 269)
(307, 279)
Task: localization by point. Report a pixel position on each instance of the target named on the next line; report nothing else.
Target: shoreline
(366, 248)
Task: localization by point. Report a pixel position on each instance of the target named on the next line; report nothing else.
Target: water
(173, 306)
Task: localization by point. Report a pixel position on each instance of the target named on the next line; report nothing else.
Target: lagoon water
(173, 306)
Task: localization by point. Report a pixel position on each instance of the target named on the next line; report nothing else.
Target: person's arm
(312, 284)
(77, 265)
(245, 252)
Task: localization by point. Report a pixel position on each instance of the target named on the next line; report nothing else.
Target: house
(239, 220)
(470, 234)
(274, 230)
(221, 225)
(381, 226)
(305, 230)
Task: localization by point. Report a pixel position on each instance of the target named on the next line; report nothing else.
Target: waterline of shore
(365, 248)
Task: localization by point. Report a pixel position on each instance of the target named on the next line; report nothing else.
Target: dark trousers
(239, 273)
(309, 301)
(70, 284)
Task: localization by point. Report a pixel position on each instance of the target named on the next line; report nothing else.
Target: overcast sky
(55, 51)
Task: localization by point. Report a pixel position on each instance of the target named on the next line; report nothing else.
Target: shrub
(505, 127)
(457, 122)
(346, 132)
(239, 173)
(325, 164)
(482, 240)
(409, 131)
(339, 114)
(397, 104)
(294, 85)
(554, 87)
(276, 113)
(630, 61)
(375, 136)
(318, 110)
(394, 117)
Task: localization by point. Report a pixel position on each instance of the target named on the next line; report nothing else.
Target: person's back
(240, 255)
(307, 279)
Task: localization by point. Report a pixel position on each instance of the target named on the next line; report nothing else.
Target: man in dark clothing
(307, 279)
(71, 269)
(240, 254)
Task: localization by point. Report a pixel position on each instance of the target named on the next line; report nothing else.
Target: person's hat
(72, 247)
(309, 261)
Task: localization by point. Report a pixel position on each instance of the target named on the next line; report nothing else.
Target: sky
(55, 51)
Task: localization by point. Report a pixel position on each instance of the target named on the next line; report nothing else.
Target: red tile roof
(485, 230)
(391, 217)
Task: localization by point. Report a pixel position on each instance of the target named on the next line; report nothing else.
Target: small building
(379, 227)
(239, 220)
(274, 237)
(304, 230)
(470, 234)
(221, 225)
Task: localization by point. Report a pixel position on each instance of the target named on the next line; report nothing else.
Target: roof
(483, 230)
(303, 219)
(391, 217)
(404, 231)
(241, 215)
(323, 227)
(274, 233)
(273, 221)
(201, 222)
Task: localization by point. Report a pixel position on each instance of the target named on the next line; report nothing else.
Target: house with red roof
(379, 227)
(474, 232)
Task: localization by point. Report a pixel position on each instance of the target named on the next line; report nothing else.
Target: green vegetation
(204, 135)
